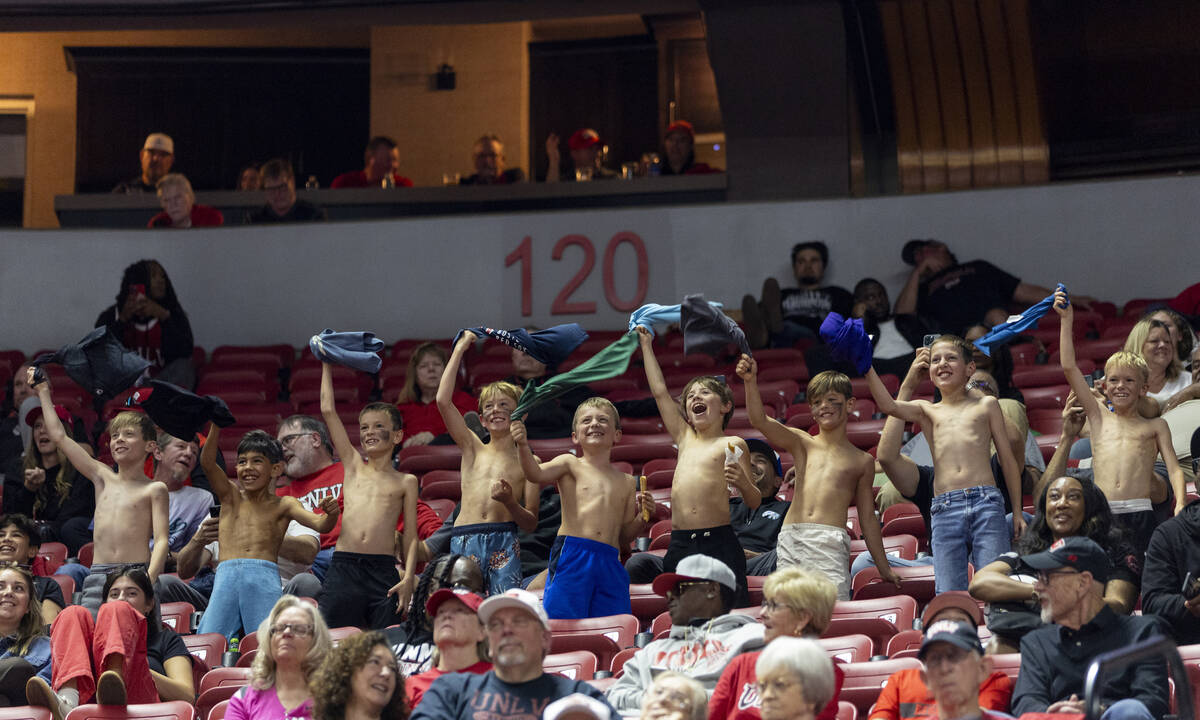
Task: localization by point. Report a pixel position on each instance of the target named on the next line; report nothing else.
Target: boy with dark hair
(496, 497)
(1124, 444)
(601, 514)
(19, 544)
(967, 513)
(709, 462)
(375, 498)
(131, 509)
(252, 525)
(831, 475)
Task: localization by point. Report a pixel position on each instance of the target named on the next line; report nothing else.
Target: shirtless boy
(131, 509)
(601, 513)
(493, 485)
(699, 498)
(835, 476)
(374, 498)
(251, 529)
(1124, 444)
(967, 513)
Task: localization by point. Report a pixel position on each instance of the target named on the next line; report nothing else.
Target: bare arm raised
(337, 431)
(537, 473)
(79, 458)
(901, 470)
(776, 433)
(668, 409)
(466, 440)
(1066, 358)
(907, 410)
(217, 479)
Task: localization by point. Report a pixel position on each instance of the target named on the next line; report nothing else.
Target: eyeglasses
(297, 629)
(518, 622)
(1044, 577)
(376, 663)
(949, 656)
(778, 686)
(682, 587)
(770, 606)
(289, 439)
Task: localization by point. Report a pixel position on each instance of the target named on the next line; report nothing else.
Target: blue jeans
(966, 525)
(75, 571)
(321, 562)
(243, 595)
(1127, 709)
(864, 560)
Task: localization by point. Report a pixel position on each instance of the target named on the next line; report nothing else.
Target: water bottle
(388, 182)
(311, 183)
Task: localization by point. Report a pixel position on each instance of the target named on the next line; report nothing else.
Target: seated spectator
(13, 441)
(795, 680)
(999, 363)
(705, 635)
(148, 319)
(174, 460)
(904, 693)
(46, 488)
(157, 156)
(787, 316)
(1169, 384)
(953, 296)
(179, 208)
(894, 338)
(586, 158)
(459, 637)
(292, 643)
(279, 184)
(797, 603)
(1172, 558)
(19, 546)
(1055, 658)
(359, 679)
(412, 641)
(249, 178)
(487, 155)
(674, 697)
(423, 424)
(679, 142)
(1181, 331)
(382, 160)
(1066, 507)
(125, 655)
(518, 634)
(954, 669)
(24, 647)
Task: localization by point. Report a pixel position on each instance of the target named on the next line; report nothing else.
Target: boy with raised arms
(967, 513)
(831, 476)
(252, 524)
(375, 496)
(131, 509)
(699, 494)
(1124, 444)
(601, 513)
(496, 498)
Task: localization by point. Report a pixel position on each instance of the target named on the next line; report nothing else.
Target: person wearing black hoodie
(148, 319)
(1172, 556)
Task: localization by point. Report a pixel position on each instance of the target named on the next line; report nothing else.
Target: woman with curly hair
(360, 680)
(423, 423)
(293, 642)
(1066, 507)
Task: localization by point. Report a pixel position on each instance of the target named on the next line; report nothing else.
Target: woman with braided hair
(412, 640)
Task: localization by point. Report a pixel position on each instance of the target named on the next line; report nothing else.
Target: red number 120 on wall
(563, 305)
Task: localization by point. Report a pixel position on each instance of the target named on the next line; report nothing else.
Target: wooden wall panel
(908, 143)
(1035, 154)
(948, 69)
(925, 93)
(978, 92)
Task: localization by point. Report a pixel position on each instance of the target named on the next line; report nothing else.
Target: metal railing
(1157, 646)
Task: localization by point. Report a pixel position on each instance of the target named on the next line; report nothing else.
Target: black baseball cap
(957, 633)
(762, 448)
(909, 253)
(1078, 552)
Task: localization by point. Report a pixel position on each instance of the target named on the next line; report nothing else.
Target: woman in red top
(796, 603)
(423, 423)
(459, 637)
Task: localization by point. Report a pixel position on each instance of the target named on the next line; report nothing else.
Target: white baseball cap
(514, 598)
(577, 703)
(159, 141)
(696, 567)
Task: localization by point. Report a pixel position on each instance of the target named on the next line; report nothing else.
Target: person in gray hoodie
(704, 637)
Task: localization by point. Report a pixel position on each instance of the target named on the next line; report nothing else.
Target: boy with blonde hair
(601, 513)
(496, 498)
(831, 475)
(709, 462)
(967, 514)
(1124, 444)
(375, 497)
(131, 509)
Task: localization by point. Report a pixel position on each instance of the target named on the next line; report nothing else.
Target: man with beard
(312, 475)
(1055, 657)
(786, 316)
(518, 635)
(894, 338)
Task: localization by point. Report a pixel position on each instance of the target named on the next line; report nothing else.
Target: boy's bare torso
(1123, 455)
(699, 491)
(123, 518)
(595, 501)
(825, 489)
(960, 440)
(372, 503)
(488, 463)
(254, 528)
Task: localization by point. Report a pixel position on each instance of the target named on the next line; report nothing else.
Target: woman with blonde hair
(46, 488)
(293, 642)
(24, 645)
(1168, 385)
(797, 603)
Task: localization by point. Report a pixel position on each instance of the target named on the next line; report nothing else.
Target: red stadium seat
(846, 711)
(905, 509)
(574, 665)
(1007, 663)
(54, 553)
(1053, 396)
(220, 677)
(443, 507)
(442, 490)
(85, 554)
(848, 648)
(646, 604)
(338, 634)
(659, 464)
(206, 647)
(1138, 306)
(178, 616)
(176, 710)
(421, 464)
(754, 587)
(67, 584)
(25, 712)
(550, 448)
(863, 680)
(659, 479)
(638, 453)
(916, 582)
(618, 662)
(1047, 421)
(641, 426)
(286, 354)
(434, 476)
(1047, 443)
(602, 636)
(878, 618)
(905, 643)
(218, 711)
(1046, 375)
(901, 545)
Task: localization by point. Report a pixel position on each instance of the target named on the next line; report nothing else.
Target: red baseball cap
(584, 138)
(35, 412)
(682, 126)
(466, 597)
